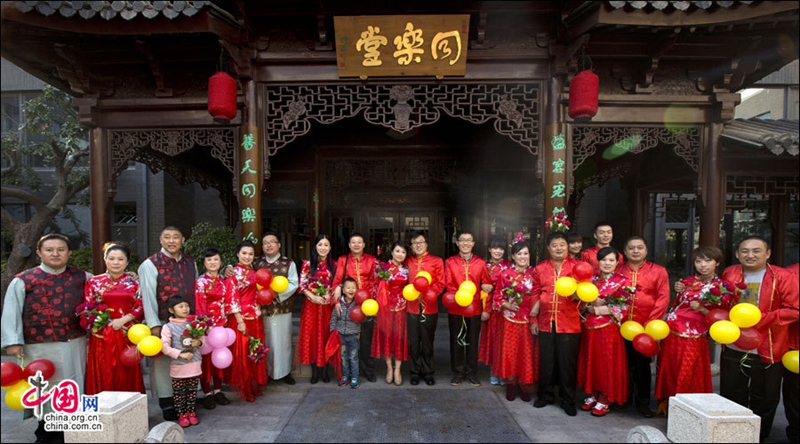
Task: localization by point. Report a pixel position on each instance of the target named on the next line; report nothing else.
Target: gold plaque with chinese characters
(401, 45)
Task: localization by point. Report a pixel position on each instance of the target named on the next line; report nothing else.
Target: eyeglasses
(419, 243)
(466, 241)
(271, 242)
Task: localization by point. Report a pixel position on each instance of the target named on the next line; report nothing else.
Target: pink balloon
(231, 336)
(221, 357)
(206, 348)
(217, 337)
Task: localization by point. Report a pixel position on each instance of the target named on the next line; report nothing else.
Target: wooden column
(712, 187)
(250, 168)
(557, 155)
(101, 197)
(778, 216)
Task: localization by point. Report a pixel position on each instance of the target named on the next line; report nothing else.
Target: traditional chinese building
(386, 117)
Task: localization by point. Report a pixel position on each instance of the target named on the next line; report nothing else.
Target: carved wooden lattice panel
(290, 110)
(742, 189)
(635, 140)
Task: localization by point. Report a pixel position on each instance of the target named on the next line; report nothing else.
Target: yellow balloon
(370, 307)
(14, 395)
(463, 298)
(149, 346)
(745, 315)
(657, 328)
(791, 361)
(138, 332)
(566, 286)
(469, 287)
(427, 276)
(259, 286)
(410, 293)
(279, 284)
(587, 291)
(724, 332)
(630, 329)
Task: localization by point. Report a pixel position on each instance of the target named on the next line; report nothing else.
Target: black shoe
(371, 378)
(288, 380)
(323, 374)
(168, 409)
(415, 380)
(430, 381)
(456, 380)
(569, 409)
(221, 399)
(541, 402)
(473, 381)
(209, 403)
(645, 411)
(314, 374)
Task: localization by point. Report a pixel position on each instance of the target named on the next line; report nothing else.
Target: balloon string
(743, 363)
(422, 316)
(461, 339)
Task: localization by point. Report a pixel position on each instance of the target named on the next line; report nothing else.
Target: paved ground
(377, 412)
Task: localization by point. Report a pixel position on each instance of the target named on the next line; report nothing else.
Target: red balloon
(646, 345)
(356, 315)
(582, 271)
(449, 300)
(421, 284)
(715, 315)
(430, 297)
(265, 296)
(44, 365)
(361, 296)
(130, 357)
(263, 277)
(11, 373)
(471, 310)
(749, 339)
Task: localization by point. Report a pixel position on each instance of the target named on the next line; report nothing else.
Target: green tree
(58, 139)
(205, 235)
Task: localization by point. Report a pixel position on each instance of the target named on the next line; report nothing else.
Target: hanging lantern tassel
(583, 91)
(222, 97)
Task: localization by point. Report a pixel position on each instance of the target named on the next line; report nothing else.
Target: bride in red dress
(119, 292)
(391, 334)
(316, 275)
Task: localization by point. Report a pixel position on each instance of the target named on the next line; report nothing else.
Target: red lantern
(222, 97)
(583, 91)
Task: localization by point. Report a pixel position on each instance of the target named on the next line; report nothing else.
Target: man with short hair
(163, 275)
(465, 322)
(753, 380)
(649, 303)
(603, 234)
(422, 325)
(277, 316)
(39, 319)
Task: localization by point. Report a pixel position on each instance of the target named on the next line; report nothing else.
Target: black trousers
(791, 404)
(464, 351)
(558, 366)
(747, 381)
(366, 363)
(421, 331)
(639, 375)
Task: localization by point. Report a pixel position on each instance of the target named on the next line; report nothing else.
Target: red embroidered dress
(391, 335)
(213, 297)
(683, 364)
(104, 371)
(602, 361)
(242, 372)
(517, 354)
(489, 331)
(314, 318)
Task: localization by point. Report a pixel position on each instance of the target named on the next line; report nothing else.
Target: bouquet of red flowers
(93, 317)
(558, 222)
(715, 292)
(384, 272)
(620, 300)
(257, 351)
(514, 294)
(321, 289)
(196, 327)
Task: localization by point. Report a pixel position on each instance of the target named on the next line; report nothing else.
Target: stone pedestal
(708, 417)
(124, 418)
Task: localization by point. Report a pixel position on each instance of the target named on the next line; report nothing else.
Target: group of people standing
(533, 339)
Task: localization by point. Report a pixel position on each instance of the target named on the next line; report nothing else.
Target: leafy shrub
(205, 235)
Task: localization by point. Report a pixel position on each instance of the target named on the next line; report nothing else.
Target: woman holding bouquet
(391, 335)
(683, 364)
(316, 275)
(491, 316)
(602, 362)
(111, 304)
(245, 317)
(516, 357)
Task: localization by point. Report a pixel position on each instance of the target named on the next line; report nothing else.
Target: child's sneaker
(354, 383)
(494, 380)
(184, 421)
(193, 419)
(342, 382)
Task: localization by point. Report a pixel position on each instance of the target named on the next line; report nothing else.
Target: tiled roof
(775, 135)
(680, 6)
(109, 10)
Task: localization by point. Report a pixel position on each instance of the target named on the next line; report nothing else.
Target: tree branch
(9, 222)
(22, 195)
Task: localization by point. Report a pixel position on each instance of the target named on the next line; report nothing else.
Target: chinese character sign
(414, 45)
(249, 178)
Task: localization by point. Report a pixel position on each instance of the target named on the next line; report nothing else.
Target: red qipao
(243, 372)
(683, 364)
(516, 355)
(391, 335)
(213, 297)
(602, 360)
(489, 329)
(314, 318)
(104, 371)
